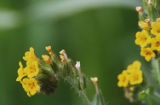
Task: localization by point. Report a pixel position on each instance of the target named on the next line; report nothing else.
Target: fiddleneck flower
(132, 76)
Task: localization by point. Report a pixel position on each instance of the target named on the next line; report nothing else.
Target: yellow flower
(134, 66)
(158, 20)
(134, 72)
(132, 76)
(155, 28)
(135, 77)
(123, 79)
(142, 38)
(155, 43)
(21, 72)
(30, 55)
(147, 53)
(143, 25)
(30, 85)
(32, 69)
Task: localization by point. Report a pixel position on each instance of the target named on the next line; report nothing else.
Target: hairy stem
(84, 98)
(156, 71)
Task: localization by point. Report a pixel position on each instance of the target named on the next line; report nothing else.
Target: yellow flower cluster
(149, 38)
(26, 74)
(132, 76)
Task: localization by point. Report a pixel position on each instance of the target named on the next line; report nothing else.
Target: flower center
(157, 43)
(148, 53)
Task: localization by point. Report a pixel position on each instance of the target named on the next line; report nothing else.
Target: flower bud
(139, 9)
(94, 80)
(78, 66)
(49, 49)
(46, 58)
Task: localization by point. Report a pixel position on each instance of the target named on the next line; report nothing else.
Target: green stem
(69, 73)
(84, 97)
(156, 71)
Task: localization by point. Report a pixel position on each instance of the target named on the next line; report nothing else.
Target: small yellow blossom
(123, 79)
(135, 77)
(142, 38)
(32, 69)
(30, 55)
(134, 66)
(134, 73)
(131, 76)
(21, 72)
(31, 86)
(155, 43)
(26, 74)
(143, 25)
(155, 28)
(147, 53)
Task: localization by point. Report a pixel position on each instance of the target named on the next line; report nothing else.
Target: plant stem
(84, 97)
(156, 71)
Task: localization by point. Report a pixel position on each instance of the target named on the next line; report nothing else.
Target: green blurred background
(99, 33)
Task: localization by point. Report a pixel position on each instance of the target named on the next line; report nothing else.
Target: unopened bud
(149, 2)
(63, 52)
(49, 49)
(78, 66)
(131, 89)
(94, 80)
(63, 60)
(139, 9)
(147, 21)
(46, 58)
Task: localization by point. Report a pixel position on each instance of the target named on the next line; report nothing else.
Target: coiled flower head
(26, 75)
(37, 76)
(149, 39)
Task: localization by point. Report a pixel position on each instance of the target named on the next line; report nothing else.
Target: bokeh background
(99, 33)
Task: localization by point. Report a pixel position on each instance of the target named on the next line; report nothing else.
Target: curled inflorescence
(149, 39)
